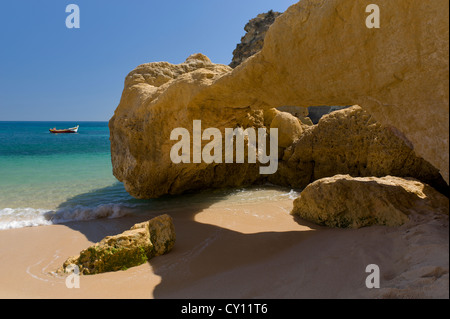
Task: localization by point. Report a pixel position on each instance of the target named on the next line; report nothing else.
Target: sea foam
(29, 217)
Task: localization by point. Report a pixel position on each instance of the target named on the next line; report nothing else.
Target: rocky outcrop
(162, 234)
(253, 41)
(315, 113)
(289, 128)
(158, 98)
(400, 77)
(347, 202)
(350, 141)
(128, 249)
(299, 112)
(322, 53)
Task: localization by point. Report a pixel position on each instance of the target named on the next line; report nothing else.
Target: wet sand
(251, 250)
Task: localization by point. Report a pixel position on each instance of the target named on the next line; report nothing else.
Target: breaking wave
(113, 202)
(29, 217)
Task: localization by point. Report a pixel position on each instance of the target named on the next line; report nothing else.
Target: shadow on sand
(201, 250)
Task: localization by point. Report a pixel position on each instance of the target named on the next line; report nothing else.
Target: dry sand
(253, 250)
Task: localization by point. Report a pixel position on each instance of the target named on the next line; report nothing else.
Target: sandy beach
(251, 250)
(313, 164)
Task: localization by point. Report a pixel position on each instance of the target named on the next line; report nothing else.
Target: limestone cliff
(320, 52)
(253, 41)
(317, 53)
(350, 141)
(157, 99)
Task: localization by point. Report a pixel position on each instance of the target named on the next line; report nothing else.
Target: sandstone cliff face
(253, 41)
(351, 142)
(320, 52)
(157, 98)
(316, 53)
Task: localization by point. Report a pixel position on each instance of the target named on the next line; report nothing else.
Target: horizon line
(53, 121)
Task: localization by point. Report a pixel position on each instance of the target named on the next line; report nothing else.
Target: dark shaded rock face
(253, 40)
(315, 113)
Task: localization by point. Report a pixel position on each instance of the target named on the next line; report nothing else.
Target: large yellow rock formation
(351, 142)
(319, 52)
(158, 98)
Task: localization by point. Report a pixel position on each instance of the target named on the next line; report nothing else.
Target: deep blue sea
(50, 178)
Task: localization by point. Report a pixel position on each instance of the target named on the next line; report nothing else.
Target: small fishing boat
(67, 130)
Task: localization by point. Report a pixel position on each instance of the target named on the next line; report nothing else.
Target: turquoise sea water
(50, 178)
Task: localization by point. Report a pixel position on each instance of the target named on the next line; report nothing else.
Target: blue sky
(51, 73)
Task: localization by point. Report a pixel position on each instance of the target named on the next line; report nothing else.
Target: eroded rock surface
(316, 53)
(158, 98)
(253, 41)
(347, 202)
(128, 249)
(320, 52)
(350, 141)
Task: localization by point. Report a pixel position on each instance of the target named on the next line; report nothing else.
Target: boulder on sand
(128, 249)
(347, 202)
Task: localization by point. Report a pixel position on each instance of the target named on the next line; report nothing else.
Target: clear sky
(50, 72)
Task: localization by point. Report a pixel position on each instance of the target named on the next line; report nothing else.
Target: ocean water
(53, 178)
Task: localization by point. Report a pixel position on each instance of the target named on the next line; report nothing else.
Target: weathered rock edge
(320, 52)
(131, 248)
(346, 202)
(253, 41)
(316, 53)
(350, 141)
